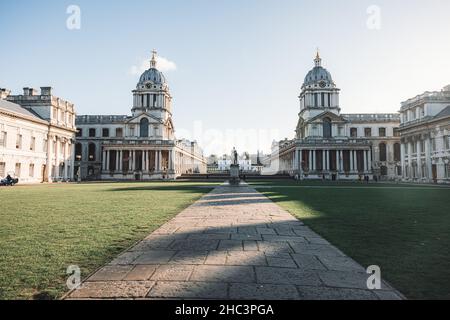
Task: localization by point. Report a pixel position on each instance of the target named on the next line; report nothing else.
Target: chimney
(26, 91)
(33, 92)
(4, 93)
(46, 91)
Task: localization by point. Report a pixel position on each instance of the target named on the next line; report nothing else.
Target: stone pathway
(234, 243)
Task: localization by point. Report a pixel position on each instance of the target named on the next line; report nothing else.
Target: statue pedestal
(234, 174)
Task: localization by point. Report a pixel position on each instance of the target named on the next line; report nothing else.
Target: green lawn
(404, 229)
(46, 228)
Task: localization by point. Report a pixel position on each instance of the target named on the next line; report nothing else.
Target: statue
(235, 156)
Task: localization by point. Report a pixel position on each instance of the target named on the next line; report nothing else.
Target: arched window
(327, 128)
(91, 152)
(144, 128)
(383, 156)
(397, 153)
(78, 152)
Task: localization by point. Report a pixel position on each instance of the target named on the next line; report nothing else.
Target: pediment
(151, 119)
(327, 114)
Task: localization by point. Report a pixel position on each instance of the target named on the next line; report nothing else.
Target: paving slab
(234, 243)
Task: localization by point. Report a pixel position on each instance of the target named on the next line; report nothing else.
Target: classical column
(104, 160)
(120, 160)
(300, 160)
(402, 158)
(338, 160)
(171, 160)
(310, 167)
(66, 160)
(429, 165)
(411, 173)
(352, 167)
(107, 161)
(117, 168)
(314, 160)
(130, 160)
(72, 161)
(365, 160)
(369, 160)
(419, 159)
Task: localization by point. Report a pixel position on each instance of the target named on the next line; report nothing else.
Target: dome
(152, 75)
(318, 74)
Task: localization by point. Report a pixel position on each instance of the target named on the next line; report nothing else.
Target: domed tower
(318, 92)
(152, 93)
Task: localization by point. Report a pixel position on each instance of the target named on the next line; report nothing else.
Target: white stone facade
(330, 145)
(37, 134)
(137, 147)
(425, 137)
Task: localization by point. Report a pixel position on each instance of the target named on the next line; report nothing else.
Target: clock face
(148, 85)
(322, 84)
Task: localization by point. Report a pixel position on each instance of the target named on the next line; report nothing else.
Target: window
(414, 147)
(119, 132)
(396, 132)
(316, 100)
(3, 139)
(447, 142)
(397, 152)
(382, 132)
(144, 128)
(78, 152)
(79, 132)
(327, 128)
(2, 169)
(329, 99)
(92, 132)
(367, 132)
(340, 131)
(32, 143)
(31, 170)
(17, 170)
(105, 132)
(354, 132)
(45, 145)
(91, 156)
(383, 153)
(433, 144)
(19, 141)
(322, 98)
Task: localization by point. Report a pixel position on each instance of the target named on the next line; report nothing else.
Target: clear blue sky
(239, 64)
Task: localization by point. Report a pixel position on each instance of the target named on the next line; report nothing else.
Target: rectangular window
(382, 132)
(31, 170)
(329, 99)
(92, 132)
(45, 145)
(19, 141)
(2, 169)
(316, 100)
(322, 98)
(367, 132)
(17, 170)
(433, 144)
(32, 143)
(396, 132)
(132, 132)
(79, 132)
(354, 132)
(105, 132)
(3, 138)
(447, 142)
(119, 133)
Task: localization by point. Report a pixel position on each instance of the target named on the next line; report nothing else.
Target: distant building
(37, 135)
(140, 146)
(330, 145)
(425, 137)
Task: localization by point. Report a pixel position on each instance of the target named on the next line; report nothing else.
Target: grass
(404, 229)
(46, 228)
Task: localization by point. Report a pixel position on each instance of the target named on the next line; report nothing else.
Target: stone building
(37, 135)
(425, 137)
(335, 146)
(140, 146)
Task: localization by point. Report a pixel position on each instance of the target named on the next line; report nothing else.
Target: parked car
(9, 180)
